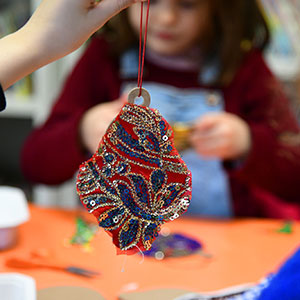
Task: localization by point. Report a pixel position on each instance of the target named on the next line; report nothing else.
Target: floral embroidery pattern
(136, 181)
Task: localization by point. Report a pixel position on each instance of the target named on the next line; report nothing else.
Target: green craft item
(85, 232)
(286, 228)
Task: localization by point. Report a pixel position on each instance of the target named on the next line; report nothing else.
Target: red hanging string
(142, 56)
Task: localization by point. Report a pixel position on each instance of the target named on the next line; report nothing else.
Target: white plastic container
(15, 286)
(13, 212)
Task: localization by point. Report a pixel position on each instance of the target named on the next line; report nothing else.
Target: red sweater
(266, 185)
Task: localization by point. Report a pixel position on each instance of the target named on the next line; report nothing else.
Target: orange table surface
(243, 250)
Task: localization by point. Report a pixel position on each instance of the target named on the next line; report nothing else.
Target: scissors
(39, 261)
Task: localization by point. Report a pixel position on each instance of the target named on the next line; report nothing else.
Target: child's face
(174, 25)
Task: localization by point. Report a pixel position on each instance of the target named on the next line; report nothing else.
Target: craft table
(242, 251)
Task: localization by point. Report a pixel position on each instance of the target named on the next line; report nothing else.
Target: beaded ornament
(136, 181)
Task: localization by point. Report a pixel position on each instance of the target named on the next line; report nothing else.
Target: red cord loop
(142, 55)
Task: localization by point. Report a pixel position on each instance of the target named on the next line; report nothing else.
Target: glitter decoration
(136, 181)
(173, 245)
(85, 232)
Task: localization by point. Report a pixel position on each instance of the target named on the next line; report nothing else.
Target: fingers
(206, 134)
(206, 128)
(221, 135)
(213, 148)
(105, 9)
(211, 136)
(207, 122)
(209, 144)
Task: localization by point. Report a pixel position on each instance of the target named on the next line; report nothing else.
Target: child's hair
(238, 26)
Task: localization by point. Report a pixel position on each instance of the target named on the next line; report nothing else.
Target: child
(57, 28)
(204, 70)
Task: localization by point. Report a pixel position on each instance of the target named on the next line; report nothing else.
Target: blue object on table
(286, 283)
(173, 245)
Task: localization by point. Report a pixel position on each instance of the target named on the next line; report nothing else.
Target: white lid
(15, 286)
(13, 207)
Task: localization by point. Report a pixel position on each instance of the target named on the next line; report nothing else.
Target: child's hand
(95, 122)
(221, 135)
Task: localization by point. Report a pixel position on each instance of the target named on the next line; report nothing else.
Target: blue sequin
(157, 180)
(127, 237)
(109, 220)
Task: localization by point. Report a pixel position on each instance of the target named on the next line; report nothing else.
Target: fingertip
(204, 122)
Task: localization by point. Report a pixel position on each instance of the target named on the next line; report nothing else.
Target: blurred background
(30, 100)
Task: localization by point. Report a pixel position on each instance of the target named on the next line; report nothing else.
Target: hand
(56, 28)
(64, 25)
(221, 135)
(95, 121)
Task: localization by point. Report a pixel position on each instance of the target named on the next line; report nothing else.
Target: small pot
(13, 212)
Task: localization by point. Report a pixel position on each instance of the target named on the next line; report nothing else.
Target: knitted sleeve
(273, 162)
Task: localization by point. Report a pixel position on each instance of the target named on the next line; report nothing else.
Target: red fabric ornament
(136, 181)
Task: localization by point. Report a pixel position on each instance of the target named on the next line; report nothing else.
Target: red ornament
(136, 181)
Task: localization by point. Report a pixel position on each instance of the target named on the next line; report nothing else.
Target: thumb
(207, 122)
(108, 8)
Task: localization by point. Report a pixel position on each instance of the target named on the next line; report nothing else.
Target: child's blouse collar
(190, 61)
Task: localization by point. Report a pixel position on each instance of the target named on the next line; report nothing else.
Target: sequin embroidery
(136, 181)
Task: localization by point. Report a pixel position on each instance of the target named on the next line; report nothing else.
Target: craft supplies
(84, 234)
(28, 263)
(286, 228)
(173, 245)
(182, 132)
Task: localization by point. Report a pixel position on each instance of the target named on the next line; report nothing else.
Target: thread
(124, 263)
(142, 55)
(143, 256)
